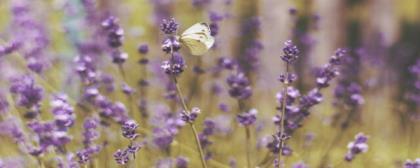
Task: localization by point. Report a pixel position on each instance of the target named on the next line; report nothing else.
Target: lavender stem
(248, 146)
(184, 106)
(283, 113)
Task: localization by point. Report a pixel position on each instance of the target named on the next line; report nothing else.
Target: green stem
(186, 109)
(248, 146)
(283, 113)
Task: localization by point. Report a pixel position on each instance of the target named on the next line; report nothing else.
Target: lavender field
(210, 83)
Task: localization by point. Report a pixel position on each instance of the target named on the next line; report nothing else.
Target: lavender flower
(132, 149)
(9, 48)
(300, 164)
(169, 26)
(90, 132)
(226, 63)
(412, 164)
(247, 118)
(29, 95)
(108, 82)
(175, 66)
(4, 105)
(290, 52)
(86, 69)
(181, 162)
(170, 44)
(200, 3)
(86, 154)
(30, 35)
(190, 117)
(297, 106)
(115, 32)
(12, 128)
(121, 157)
(127, 89)
(208, 130)
(48, 134)
(129, 129)
(215, 18)
(119, 57)
(143, 49)
(166, 126)
(63, 112)
(356, 147)
(239, 86)
(414, 96)
(164, 163)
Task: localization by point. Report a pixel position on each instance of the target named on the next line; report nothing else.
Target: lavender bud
(119, 57)
(190, 117)
(169, 26)
(290, 52)
(412, 164)
(121, 157)
(247, 118)
(129, 129)
(181, 162)
(143, 49)
(239, 86)
(171, 44)
(358, 146)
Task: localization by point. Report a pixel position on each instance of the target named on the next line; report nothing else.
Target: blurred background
(382, 38)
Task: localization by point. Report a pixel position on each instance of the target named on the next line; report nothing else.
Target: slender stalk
(40, 162)
(199, 148)
(129, 96)
(248, 146)
(283, 113)
(194, 130)
(242, 107)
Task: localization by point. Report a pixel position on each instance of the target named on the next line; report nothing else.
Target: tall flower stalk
(290, 56)
(240, 89)
(174, 67)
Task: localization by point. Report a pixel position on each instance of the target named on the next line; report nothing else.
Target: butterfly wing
(198, 39)
(194, 44)
(198, 27)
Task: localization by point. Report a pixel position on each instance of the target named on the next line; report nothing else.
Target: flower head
(175, 66)
(121, 157)
(169, 26)
(239, 86)
(358, 146)
(412, 164)
(190, 117)
(129, 129)
(143, 49)
(290, 52)
(247, 118)
(29, 95)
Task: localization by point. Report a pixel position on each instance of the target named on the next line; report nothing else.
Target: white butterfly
(197, 38)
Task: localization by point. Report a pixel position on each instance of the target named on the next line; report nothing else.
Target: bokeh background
(382, 37)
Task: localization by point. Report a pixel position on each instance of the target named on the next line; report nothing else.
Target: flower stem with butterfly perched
(175, 66)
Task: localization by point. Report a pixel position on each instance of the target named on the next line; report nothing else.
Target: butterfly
(197, 38)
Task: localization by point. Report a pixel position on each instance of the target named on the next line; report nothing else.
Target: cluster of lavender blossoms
(122, 156)
(90, 134)
(115, 36)
(247, 118)
(86, 114)
(30, 37)
(412, 164)
(415, 95)
(296, 105)
(239, 86)
(359, 145)
(176, 64)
